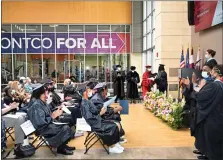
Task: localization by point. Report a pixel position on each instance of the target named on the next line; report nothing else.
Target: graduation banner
(78, 43)
(207, 14)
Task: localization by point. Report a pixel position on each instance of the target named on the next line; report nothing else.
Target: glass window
(90, 66)
(16, 28)
(104, 28)
(20, 65)
(90, 28)
(62, 28)
(148, 40)
(48, 28)
(144, 43)
(144, 10)
(127, 28)
(149, 24)
(153, 20)
(6, 28)
(144, 28)
(118, 28)
(153, 4)
(33, 28)
(153, 38)
(76, 28)
(148, 7)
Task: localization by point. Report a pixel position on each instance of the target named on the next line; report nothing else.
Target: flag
(191, 59)
(198, 60)
(187, 65)
(182, 61)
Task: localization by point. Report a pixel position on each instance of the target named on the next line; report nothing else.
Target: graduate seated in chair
(89, 90)
(109, 131)
(54, 101)
(100, 97)
(112, 113)
(42, 119)
(69, 90)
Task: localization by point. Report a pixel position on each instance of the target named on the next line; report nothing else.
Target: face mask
(207, 56)
(89, 94)
(149, 70)
(118, 69)
(133, 71)
(204, 74)
(108, 94)
(13, 92)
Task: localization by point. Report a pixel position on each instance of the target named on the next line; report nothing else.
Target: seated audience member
(89, 92)
(27, 86)
(56, 101)
(100, 97)
(42, 119)
(210, 58)
(109, 131)
(69, 89)
(14, 121)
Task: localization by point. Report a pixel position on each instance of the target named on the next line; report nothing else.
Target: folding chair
(90, 137)
(42, 142)
(9, 131)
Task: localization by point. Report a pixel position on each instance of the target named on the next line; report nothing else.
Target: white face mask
(118, 69)
(89, 94)
(149, 70)
(207, 56)
(13, 92)
(133, 71)
(108, 94)
(204, 74)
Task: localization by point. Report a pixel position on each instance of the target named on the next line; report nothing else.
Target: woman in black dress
(210, 58)
(161, 79)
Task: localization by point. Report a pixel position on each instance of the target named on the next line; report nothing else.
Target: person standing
(210, 58)
(118, 83)
(147, 81)
(132, 81)
(161, 79)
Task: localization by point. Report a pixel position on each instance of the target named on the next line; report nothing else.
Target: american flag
(191, 60)
(182, 61)
(187, 65)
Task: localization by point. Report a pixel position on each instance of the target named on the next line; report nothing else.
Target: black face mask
(51, 89)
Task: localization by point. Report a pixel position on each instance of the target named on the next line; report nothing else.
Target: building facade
(63, 39)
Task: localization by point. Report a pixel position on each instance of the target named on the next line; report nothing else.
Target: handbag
(24, 151)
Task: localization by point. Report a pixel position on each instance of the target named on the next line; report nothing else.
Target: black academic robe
(161, 81)
(106, 129)
(40, 116)
(211, 62)
(69, 91)
(132, 81)
(209, 120)
(66, 118)
(118, 84)
(98, 100)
